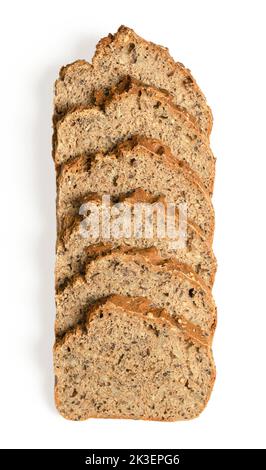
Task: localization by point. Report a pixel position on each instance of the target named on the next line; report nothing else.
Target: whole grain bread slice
(125, 53)
(138, 163)
(136, 273)
(135, 109)
(130, 360)
(80, 233)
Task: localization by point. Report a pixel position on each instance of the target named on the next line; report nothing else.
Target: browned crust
(163, 51)
(129, 85)
(151, 147)
(142, 308)
(132, 86)
(93, 250)
(64, 70)
(155, 146)
(148, 256)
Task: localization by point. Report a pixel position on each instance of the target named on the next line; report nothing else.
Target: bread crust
(153, 147)
(72, 224)
(196, 119)
(150, 256)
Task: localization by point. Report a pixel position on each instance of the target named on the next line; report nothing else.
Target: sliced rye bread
(131, 360)
(136, 273)
(138, 163)
(71, 252)
(135, 109)
(125, 53)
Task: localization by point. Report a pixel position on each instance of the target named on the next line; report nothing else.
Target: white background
(223, 43)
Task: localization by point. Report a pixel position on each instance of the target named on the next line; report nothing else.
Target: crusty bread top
(127, 37)
(141, 307)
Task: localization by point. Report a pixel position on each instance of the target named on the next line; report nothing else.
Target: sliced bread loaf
(135, 109)
(71, 253)
(130, 360)
(122, 54)
(136, 273)
(138, 163)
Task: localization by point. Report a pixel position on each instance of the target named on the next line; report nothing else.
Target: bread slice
(130, 360)
(139, 163)
(135, 109)
(71, 253)
(136, 273)
(122, 54)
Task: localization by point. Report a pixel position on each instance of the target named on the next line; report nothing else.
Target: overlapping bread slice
(72, 252)
(135, 109)
(138, 163)
(122, 54)
(135, 273)
(131, 360)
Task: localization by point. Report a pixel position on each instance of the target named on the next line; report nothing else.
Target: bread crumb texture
(130, 360)
(135, 315)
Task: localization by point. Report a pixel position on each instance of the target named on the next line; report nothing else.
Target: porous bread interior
(82, 391)
(127, 364)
